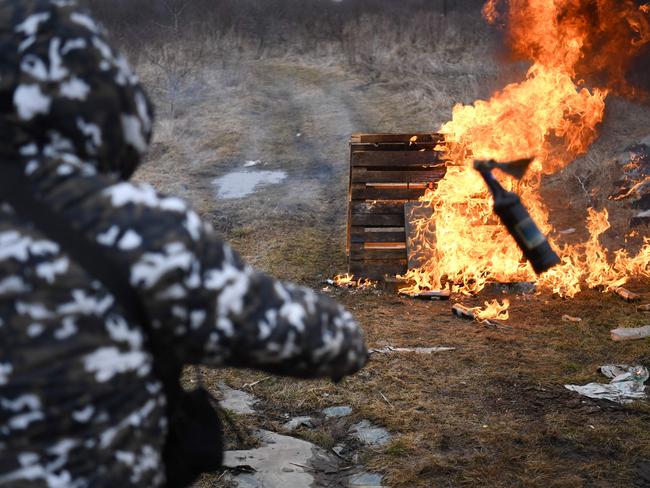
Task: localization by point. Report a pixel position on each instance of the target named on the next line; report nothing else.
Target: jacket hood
(65, 92)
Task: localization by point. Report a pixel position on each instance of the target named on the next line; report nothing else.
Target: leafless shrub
(176, 64)
(361, 28)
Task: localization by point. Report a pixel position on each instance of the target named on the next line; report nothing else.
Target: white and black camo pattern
(79, 403)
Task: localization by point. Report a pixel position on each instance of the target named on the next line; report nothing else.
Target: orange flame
(348, 281)
(587, 39)
(552, 115)
(493, 310)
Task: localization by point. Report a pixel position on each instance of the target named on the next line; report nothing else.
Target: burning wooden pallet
(386, 172)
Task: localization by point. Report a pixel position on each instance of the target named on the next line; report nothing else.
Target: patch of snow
(275, 462)
(236, 401)
(342, 411)
(297, 422)
(370, 434)
(366, 480)
(239, 184)
(282, 462)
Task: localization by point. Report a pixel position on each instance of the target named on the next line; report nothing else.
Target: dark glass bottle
(521, 226)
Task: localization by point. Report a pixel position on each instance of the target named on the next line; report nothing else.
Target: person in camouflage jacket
(80, 404)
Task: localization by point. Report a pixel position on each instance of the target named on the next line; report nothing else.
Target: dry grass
(491, 413)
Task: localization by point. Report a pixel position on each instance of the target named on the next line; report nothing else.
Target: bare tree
(176, 56)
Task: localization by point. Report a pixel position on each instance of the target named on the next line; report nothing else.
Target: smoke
(604, 42)
(638, 74)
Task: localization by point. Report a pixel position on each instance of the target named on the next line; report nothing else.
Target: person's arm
(216, 310)
(279, 327)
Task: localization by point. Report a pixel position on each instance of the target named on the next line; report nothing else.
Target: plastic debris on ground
(348, 281)
(569, 318)
(430, 295)
(463, 312)
(493, 324)
(417, 350)
(467, 313)
(627, 295)
(630, 334)
(236, 401)
(627, 385)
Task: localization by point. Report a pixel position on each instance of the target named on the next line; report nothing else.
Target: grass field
(491, 413)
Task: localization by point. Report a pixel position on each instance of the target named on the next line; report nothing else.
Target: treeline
(276, 22)
(256, 15)
(408, 41)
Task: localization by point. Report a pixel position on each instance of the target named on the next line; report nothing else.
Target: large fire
(553, 116)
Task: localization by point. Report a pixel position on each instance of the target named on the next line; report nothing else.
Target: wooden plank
(414, 211)
(385, 246)
(349, 223)
(378, 220)
(362, 234)
(377, 254)
(377, 208)
(376, 270)
(391, 266)
(378, 138)
(397, 159)
(362, 175)
(438, 169)
(396, 146)
(348, 230)
(380, 246)
(363, 192)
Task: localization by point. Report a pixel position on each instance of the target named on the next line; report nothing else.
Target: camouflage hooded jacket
(79, 402)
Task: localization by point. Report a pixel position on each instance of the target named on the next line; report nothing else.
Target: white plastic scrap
(627, 385)
(417, 350)
(629, 334)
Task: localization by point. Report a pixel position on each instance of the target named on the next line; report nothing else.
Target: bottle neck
(493, 184)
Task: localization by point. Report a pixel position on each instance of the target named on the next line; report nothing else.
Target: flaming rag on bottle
(514, 215)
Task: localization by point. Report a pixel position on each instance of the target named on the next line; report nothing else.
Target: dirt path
(287, 117)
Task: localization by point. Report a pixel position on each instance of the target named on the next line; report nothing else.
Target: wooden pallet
(386, 171)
